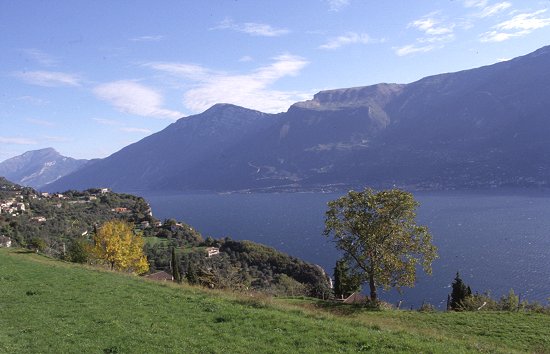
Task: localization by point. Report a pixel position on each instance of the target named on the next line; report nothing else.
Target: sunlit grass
(51, 306)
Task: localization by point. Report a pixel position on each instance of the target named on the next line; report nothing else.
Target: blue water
(496, 242)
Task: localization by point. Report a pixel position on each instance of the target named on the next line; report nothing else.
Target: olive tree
(379, 237)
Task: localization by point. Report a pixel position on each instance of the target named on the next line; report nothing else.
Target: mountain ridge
(478, 128)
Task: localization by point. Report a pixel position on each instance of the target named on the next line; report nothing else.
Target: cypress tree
(175, 266)
(460, 293)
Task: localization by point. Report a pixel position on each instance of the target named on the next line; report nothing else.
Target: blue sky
(90, 77)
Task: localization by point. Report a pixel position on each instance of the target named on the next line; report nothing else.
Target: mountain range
(38, 167)
(478, 128)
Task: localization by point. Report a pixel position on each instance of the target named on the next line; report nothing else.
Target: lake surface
(496, 242)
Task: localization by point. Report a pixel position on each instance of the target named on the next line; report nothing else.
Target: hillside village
(59, 224)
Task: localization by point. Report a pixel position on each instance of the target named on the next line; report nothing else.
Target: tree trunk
(372, 285)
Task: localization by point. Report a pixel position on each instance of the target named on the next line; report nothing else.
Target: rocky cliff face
(485, 127)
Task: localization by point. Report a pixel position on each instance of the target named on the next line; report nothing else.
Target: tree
(191, 274)
(175, 266)
(379, 236)
(345, 283)
(78, 252)
(459, 293)
(116, 244)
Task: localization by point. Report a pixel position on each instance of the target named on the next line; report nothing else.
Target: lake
(496, 242)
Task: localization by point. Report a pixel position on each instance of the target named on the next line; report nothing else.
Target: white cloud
(525, 22)
(337, 5)
(16, 141)
(518, 26)
(246, 59)
(40, 57)
(156, 38)
(49, 78)
(432, 26)
(435, 31)
(57, 139)
(252, 90)
(121, 126)
(494, 9)
(135, 130)
(44, 123)
(346, 39)
(252, 28)
(106, 121)
(475, 3)
(412, 48)
(133, 98)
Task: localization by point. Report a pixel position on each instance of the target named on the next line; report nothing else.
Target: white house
(212, 251)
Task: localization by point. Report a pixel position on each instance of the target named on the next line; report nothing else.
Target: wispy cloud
(518, 26)
(436, 32)
(57, 139)
(135, 130)
(17, 141)
(251, 90)
(107, 121)
(337, 5)
(413, 48)
(121, 126)
(492, 10)
(41, 122)
(40, 57)
(475, 3)
(246, 58)
(49, 78)
(252, 28)
(432, 26)
(133, 98)
(156, 38)
(346, 39)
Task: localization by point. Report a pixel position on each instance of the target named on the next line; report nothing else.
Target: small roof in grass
(162, 275)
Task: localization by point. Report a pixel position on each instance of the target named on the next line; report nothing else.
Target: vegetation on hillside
(71, 226)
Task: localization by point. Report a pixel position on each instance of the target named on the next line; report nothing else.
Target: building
(212, 251)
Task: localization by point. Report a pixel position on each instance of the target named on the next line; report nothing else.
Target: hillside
(480, 128)
(49, 306)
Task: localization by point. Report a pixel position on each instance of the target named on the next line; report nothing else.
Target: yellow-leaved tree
(116, 244)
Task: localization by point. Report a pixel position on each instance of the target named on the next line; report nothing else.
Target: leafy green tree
(345, 283)
(459, 293)
(379, 236)
(77, 251)
(116, 244)
(175, 266)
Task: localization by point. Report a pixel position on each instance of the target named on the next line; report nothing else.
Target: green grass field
(50, 306)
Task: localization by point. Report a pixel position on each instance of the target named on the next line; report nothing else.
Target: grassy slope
(50, 306)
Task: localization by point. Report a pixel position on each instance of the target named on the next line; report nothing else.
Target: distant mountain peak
(228, 108)
(39, 152)
(38, 167)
